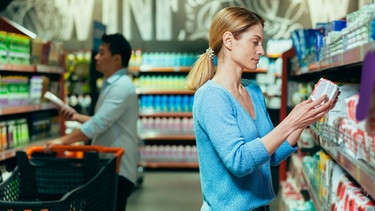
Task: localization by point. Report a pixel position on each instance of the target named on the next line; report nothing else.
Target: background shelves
(151, 136)
(147, 68)
(26, 109)
(174, 165)
(166, 114)
(164, 92)
(32, 68)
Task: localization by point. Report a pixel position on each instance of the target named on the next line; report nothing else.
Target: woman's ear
(228, 40)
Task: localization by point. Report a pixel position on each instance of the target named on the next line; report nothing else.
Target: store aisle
(169, 191)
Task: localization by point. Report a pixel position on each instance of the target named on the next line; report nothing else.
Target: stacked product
(166, 103)
(334, 188)
(14, 48)
(13, 133)
(160, 82)
(149, 126)
(332, 38)
(169, 153)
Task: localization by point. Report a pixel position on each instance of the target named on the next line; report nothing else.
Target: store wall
(164, 25)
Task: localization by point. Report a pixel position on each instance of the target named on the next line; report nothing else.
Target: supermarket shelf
(148, 68)
(347, 58)
(26, 108)
(166, 114)
(164, 92)
(187, 165)
(171, 137)
(17, 68)
(32, 68)
(312, 193)
(360, 171)
(12, 152)
(49, 69)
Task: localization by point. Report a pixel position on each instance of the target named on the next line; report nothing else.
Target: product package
(327, 87)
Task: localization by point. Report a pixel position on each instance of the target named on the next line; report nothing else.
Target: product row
(169, 153)
(160, 82)
(21, 90)
(166, 103)
(316, 182)
(332, 38)
(166, 125)
(19, 132)
(334, 189)
(22, 50)
(162, 59)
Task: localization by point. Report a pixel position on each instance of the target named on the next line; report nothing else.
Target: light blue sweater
(234, 164)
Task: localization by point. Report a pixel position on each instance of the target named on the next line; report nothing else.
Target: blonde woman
(236, 140)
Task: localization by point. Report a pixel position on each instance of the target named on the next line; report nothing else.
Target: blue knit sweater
(234, 164)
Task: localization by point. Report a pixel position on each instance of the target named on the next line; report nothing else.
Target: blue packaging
(338, 25)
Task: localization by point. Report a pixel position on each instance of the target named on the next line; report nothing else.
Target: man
(114, 123)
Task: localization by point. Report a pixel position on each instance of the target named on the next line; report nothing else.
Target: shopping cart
(63, 180)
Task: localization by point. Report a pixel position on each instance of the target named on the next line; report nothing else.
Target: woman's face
(247, 48)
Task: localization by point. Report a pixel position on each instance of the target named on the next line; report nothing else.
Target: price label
(341, 159)
(358, 174)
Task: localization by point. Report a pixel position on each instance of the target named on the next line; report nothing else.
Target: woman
(236, 140)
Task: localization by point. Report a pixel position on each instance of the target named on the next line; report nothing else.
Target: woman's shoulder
(210, 86)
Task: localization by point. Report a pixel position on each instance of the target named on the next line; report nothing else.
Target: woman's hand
(308, 111)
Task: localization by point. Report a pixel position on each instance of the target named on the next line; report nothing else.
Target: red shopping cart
(63, 180)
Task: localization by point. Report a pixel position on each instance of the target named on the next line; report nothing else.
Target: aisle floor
(169, 191)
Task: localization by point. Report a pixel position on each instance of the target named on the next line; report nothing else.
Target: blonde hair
(233, 19)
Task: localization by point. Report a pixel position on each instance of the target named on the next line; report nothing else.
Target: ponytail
(202, 71)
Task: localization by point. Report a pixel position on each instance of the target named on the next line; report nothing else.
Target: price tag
(341, 159)
(358, 174)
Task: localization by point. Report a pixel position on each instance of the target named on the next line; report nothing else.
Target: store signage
(160, 20)
(327, 10)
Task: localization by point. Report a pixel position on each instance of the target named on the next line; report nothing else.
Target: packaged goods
(327, 87)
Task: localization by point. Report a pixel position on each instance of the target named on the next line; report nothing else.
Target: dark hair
(118, 45)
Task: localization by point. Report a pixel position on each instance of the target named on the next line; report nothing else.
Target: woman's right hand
(309, 111)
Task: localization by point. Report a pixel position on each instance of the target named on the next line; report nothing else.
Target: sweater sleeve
(214, 112)
(285, 149)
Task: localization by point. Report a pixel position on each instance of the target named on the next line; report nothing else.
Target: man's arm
(74, 137)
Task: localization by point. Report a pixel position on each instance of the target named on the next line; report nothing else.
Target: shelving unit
(360, 171)
(27, 110)
(164, 137)
(344, 66)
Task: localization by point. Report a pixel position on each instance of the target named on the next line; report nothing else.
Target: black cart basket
(72, 178)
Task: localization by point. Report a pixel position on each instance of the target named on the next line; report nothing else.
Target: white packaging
(53, 98)
(327, 87)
